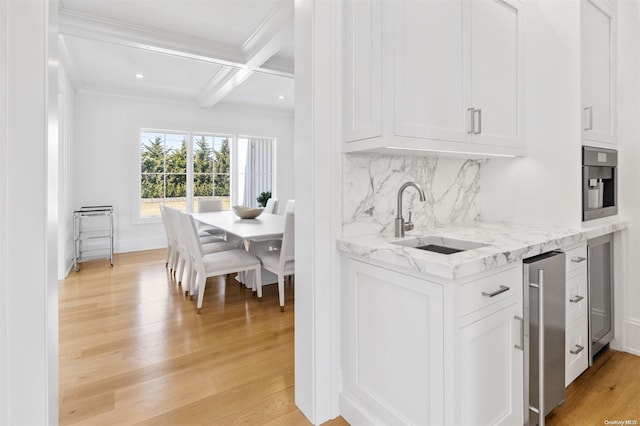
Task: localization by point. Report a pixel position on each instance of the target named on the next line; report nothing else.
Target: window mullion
(190, 175)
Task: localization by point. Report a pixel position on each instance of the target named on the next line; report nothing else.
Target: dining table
(265, 227)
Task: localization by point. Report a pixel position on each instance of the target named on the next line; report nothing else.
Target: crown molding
(96, 28)
(268, 39)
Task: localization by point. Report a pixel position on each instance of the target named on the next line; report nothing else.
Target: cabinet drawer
(576, 297)
(490, 290)
(576, 259)
(577, 351)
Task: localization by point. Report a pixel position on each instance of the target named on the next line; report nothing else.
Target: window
(255, 169)
(180, 168)
(212, 168)
(163, 172)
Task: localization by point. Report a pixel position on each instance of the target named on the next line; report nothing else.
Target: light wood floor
(607, 391)
(134, 351)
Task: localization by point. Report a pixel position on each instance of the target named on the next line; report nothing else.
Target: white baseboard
(631, 336)
(139, 244)
(356, 413)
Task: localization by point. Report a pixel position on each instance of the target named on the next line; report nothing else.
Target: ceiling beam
(271, 36)
(105, 30)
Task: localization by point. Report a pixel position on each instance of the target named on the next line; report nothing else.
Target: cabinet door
(491, 369)
(430, 79)
(394, 361)
(597, 60)
(362, 91)
(496, 77)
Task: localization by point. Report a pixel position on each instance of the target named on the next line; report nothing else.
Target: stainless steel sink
(439, 244)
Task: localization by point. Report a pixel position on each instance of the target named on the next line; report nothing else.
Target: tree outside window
(165, 177)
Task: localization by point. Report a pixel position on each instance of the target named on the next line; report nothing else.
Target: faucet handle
(408, 225)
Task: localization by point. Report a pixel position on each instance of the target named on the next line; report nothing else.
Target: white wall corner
(318, 205)
(4, 391)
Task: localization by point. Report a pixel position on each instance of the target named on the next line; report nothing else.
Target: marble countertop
(505, 243)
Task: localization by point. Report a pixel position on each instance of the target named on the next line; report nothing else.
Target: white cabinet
(598, 71)
(491, 351)
(433, 76)
(577, 315)
(417, 350)
(491, 369)
(393, 358)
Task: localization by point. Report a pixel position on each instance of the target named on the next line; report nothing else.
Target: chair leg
(169, 253)
(257, 281)
(201, 283)
(181, 270)
(186, 286)
(281, 291)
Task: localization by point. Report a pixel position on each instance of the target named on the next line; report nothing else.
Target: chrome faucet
(401, 226)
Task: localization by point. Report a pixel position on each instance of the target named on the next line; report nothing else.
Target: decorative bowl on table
(244, 212)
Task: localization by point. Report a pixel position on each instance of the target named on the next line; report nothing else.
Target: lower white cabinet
(425, 351)
(491, 366)
(577, 315)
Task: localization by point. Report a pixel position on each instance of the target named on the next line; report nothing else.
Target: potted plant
(263, 198)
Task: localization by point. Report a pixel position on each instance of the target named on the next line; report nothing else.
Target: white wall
(628, 170)
(106, 152)
(544, 186)
(66, 179)
(28, 206)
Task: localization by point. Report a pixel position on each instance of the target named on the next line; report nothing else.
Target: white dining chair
(171, 242)
(290, 206)
(281, 262)
(214, 205)
(272, 206)
(214, 264)
(180, 259)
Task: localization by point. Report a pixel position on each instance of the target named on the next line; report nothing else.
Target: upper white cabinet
(433, 76)
(597, 65)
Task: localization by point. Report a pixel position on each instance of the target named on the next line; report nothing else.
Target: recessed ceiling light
(140, 76)
(280, 97)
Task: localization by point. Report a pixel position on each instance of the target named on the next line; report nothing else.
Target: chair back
(290, 207)
(168, 220)
(165, 222)
(272, 206)
(189, 237)
(287, 249)
(209, 205)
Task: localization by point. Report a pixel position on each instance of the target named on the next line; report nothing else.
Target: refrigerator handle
(540, 286)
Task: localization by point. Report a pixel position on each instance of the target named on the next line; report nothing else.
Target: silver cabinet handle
(479, 111)
(472, 118)
(577, 350)
(576, 299)
(590, 111)
(502, 289)
(521, 345)
(578, 259)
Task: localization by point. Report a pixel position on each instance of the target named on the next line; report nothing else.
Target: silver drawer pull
(576, 299)
(578, 259)
(502, 289)
(577, 350)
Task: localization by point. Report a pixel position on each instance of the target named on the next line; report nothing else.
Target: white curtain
(258, 170)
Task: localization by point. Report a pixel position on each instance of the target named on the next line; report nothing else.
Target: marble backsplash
(371, 183)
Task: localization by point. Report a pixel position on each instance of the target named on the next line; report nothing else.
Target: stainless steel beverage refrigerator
(544, 319)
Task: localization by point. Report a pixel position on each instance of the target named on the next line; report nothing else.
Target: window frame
(190, 198)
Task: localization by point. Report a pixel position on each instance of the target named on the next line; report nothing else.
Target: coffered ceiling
(201, 51)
